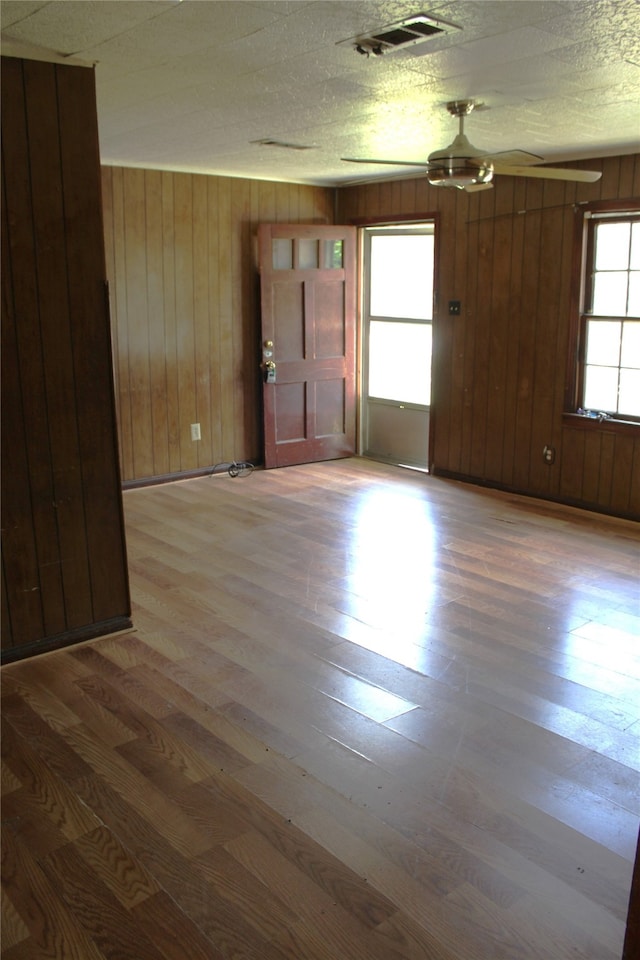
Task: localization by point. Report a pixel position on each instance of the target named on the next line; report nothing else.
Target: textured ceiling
(189, 85)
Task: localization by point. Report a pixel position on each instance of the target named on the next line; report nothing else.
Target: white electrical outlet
(195, 431)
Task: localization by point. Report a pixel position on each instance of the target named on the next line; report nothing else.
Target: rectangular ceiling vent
(396, 36)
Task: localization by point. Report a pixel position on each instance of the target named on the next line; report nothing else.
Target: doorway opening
(397, 320)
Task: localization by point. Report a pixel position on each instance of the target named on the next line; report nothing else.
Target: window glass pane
(402, 276)
(601, 389)
(612, 324)
(635, 247)
(633, 309)
(308, 254)
(603, 342)
(630, 356)
(629, 401)
(610, 294)
(400, 361)
(282, 252)
(612, 246)
(332, 255)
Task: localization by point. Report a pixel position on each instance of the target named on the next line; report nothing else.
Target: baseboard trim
(213, 470)
(505, 488)
(68, 638)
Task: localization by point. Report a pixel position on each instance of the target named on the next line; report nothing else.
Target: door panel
(308, 277)
(398, 433)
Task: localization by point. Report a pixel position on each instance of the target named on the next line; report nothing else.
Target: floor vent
(400, 35)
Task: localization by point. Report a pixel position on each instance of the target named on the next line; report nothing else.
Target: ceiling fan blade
(393, 163)
(390, 178)
(477, 187)
(515, 157)
(548, 173)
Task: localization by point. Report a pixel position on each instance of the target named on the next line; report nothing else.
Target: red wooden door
(308, 295)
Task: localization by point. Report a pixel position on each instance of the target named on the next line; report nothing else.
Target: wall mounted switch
(454, 308)
(195, 431)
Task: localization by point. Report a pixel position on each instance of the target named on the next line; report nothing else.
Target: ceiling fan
(466, 167)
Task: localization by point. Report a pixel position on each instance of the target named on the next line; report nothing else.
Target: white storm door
(397, 333)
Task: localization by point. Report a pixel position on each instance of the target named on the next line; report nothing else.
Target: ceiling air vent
(400, 35)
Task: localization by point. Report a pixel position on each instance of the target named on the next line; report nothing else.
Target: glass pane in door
(400, 361)
(402, 276)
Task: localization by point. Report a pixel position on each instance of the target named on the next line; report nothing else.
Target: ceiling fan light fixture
(459, 165)
(459, 172)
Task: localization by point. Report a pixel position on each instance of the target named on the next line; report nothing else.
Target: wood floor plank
(362, 713)
(43, 791)
(144, 796)
(170, 929)
(118, 870)
(55, 931)
(14, 929)
(119, 679)
(95, 907)
(325, 926)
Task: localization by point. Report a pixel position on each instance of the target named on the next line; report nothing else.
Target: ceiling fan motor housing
(458, 172)
(459, 165)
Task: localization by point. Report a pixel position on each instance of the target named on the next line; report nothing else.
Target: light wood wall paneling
(170, 385)
(156, 318)
(499, 381)
(183, 277)
(63, 540)
(136, 279)
(215, 331)
(245, 334)
(185, 320)
(225, 308)
(202, 450)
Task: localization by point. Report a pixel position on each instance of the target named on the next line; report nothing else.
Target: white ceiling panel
(189, 85)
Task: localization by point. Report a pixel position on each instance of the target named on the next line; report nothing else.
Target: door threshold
(394, 463)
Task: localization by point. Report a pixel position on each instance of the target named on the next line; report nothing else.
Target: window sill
(581, 422)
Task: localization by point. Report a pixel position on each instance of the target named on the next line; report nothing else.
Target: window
(608, 381)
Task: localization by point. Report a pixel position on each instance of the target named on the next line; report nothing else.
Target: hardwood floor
(364, 714)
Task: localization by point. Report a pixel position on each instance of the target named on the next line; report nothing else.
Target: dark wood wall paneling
(500, 367)
(181, 260)
(64, 564)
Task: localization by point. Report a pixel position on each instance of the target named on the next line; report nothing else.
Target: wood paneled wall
(500, 367)
(181, 261)
(64, 565)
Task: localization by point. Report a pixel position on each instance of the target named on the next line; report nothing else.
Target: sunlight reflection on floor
(393, 581)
